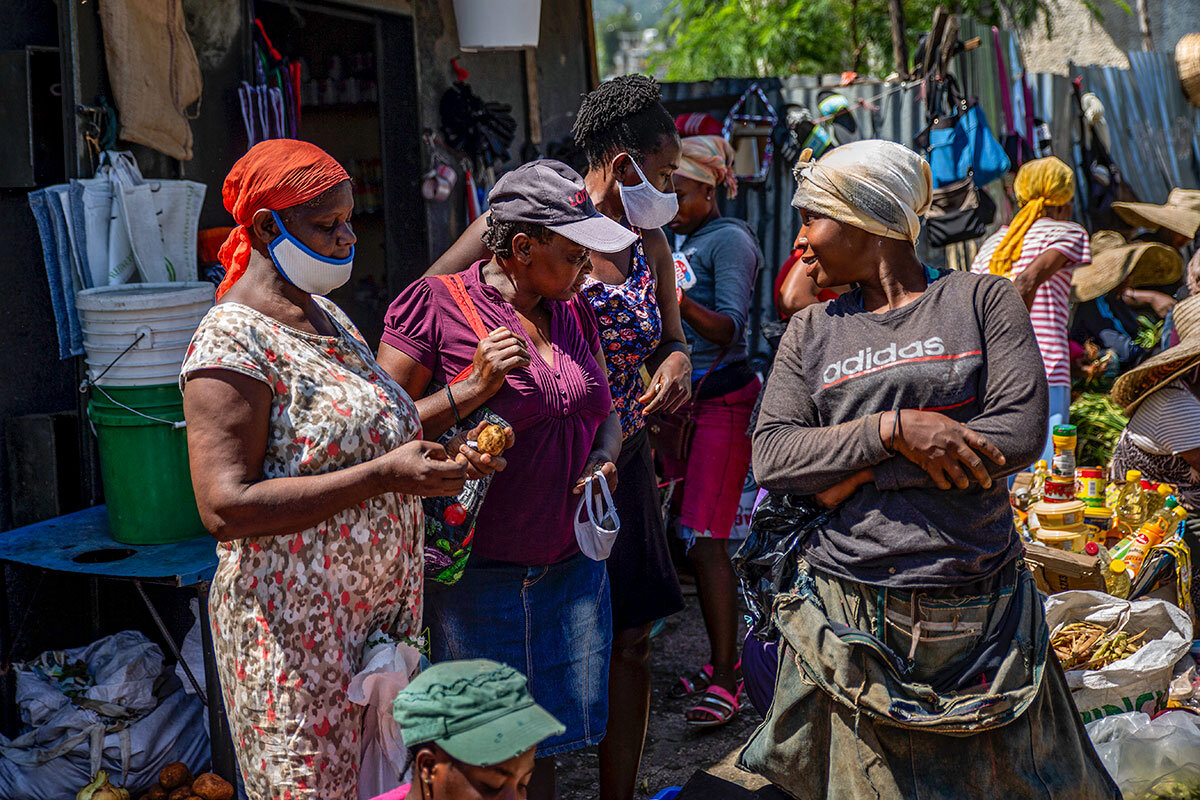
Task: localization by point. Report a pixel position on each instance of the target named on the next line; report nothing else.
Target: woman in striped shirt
(1038, 251)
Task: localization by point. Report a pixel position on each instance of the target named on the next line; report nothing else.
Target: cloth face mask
(304, 269)
(645, 206)
(596, 520)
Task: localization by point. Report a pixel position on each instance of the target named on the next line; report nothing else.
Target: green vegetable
(1149, 332)
(1098, 422)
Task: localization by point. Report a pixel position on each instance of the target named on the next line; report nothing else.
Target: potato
(156, 792)
(175, 775)
(212, 787)
(180, 793)
(492, 440)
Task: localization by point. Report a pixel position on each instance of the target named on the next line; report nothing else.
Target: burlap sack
(153, 71)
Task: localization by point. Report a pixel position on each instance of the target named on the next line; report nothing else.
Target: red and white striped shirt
(1051, 303)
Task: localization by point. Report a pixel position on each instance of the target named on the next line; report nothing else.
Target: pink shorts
(715, 472)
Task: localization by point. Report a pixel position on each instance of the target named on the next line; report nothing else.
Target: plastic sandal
(718, 704)
(689, 686)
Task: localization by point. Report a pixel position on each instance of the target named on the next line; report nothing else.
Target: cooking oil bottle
(1037, 487)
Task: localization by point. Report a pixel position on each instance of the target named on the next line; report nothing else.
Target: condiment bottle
(1064, 439)
(1149, 535)
(1037, 486)
(1131, 503)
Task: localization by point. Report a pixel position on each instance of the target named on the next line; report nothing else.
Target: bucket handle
(177, 425)
(86, 382)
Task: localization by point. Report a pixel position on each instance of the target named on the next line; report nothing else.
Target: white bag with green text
(1140, 682)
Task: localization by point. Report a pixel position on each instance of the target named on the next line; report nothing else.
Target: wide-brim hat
(1156, 372)
(1114, 260)
(1181, 213)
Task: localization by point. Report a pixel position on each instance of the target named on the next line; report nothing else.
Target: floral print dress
(290, 614)
(630, 331)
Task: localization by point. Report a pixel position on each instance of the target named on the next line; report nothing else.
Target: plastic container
(1071, 540)
(1090, 485)
(1099, 518)
(1059, 515)
(136, 335)
(497, 24)
(1059, 489)
(144, 463)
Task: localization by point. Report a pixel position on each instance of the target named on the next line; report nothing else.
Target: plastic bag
(388, 666)
(1150, 758)
(126, 717)
(766, 562)
(1140, 682)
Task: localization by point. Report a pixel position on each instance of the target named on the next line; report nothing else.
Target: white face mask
(596, 520)
(645, 206)
(304, 269)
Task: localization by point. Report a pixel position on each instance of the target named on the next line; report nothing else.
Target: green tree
(608, 32)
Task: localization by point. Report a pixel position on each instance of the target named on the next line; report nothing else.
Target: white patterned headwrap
(879, 186)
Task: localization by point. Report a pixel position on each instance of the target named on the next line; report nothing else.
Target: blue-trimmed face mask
(304, 269)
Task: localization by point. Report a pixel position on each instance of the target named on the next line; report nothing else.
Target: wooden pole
(899, 39)
(1143, 14)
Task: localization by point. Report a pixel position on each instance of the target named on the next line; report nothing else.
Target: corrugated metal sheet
(1152, 125)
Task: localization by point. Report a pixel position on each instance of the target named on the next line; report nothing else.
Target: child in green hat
(473, 728)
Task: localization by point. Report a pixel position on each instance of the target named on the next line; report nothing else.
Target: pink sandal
(695, 684)
(718, 704)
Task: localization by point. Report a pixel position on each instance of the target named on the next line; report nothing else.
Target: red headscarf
(275, 174)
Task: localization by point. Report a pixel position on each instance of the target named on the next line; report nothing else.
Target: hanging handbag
(960, 143)
(671, 432)
(450, 521)
(959, 212)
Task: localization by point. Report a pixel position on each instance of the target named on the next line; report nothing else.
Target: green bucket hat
(480, 712)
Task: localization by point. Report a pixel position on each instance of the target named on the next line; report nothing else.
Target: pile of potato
(175, 782)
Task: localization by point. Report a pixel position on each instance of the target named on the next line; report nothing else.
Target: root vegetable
(175, 775)
(212, 787)
(180, 793)
(155, 792)
(492, 440)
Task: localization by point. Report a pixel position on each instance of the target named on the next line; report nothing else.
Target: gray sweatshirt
(965, 348)
(726, 258)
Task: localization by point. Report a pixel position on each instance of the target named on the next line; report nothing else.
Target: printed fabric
(290, 614)
(1051, 305)
(630, 331)
(873, 684)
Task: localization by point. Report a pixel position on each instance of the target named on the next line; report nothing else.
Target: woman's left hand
(601, 462)
(671, 385)
(478, 464)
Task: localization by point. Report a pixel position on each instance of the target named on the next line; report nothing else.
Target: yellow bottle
(1117, 579)
(1037, 486)
(1131, 503)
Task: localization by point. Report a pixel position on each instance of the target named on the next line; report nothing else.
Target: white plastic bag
(596, 520)
(1140, 682)
(1150, 758)
(128, 722)
(388, 666)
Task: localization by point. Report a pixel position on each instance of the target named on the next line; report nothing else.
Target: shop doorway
(357, 93)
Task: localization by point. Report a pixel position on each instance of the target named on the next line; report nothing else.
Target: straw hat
(1187, 60)
(1181, 213)
(1114, 259)
(1154, 373)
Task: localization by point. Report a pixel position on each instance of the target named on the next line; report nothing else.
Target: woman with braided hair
(632, 150)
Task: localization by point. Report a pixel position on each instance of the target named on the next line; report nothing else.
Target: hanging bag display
(959, 212)
(450, 521)
(596, 521)
(960, 143)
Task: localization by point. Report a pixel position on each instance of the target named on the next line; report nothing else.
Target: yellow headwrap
(708, 159)
(1044, 182)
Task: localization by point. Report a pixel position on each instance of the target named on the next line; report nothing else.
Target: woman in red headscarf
(307, 464)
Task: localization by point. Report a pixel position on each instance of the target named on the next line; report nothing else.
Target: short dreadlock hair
(498, 237)
(623, 114)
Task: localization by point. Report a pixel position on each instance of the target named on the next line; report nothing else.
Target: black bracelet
(895, 424)
(454, 408)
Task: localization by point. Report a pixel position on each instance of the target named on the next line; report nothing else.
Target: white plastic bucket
(497, 24)
(154, 322)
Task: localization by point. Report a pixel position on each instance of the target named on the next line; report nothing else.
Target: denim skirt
(552, 623)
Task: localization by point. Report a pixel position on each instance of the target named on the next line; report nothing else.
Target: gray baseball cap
(551, 194)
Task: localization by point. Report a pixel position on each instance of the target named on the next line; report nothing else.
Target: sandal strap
(691, 683)
(718, 704)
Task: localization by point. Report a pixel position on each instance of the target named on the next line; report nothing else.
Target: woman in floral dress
(307, 464)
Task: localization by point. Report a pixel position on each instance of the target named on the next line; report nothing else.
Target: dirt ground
(674, 750)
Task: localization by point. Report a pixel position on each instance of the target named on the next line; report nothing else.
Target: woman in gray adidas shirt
(900, 407)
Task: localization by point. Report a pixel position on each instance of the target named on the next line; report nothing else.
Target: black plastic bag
(766, 563)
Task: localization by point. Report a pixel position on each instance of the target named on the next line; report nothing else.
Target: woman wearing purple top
(529, 597)
(632, 150)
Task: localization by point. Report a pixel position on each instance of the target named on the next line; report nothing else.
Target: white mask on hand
(645, 206)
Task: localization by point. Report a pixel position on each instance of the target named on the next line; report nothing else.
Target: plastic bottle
(1117, 581)
(1155, 496)
(1064, 438)
(1150, 534)
(1037, 486)
(1166, 516)
(1131, 504)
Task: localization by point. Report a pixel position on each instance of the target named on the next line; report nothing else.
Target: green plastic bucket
(144, 463)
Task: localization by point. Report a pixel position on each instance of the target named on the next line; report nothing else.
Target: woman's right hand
(421, 468)
(942, 447)
(498, 354)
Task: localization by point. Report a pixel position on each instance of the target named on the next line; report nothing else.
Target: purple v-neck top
(554, 409)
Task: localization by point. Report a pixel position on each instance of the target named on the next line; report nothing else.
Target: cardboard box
(1057, 570)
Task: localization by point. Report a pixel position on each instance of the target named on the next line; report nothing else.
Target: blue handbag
(961, 144)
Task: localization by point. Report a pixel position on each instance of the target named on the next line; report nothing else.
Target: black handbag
(960, 212)
(671, 432)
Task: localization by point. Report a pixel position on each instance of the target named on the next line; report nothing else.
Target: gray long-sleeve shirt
(726, 258)
(965, 348)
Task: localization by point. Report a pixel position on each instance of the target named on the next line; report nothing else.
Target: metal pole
(166, 634)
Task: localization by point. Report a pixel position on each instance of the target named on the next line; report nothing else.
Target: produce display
(1086, 645)
(175, 782)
